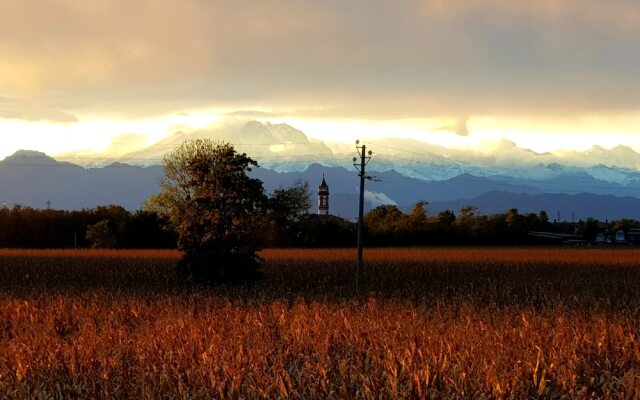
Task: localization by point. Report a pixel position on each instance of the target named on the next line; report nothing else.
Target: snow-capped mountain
(269, 144)
(620, 156)
(35, 179)
(410, 170)
(283, 148)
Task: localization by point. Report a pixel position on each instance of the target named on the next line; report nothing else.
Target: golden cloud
(333, 58)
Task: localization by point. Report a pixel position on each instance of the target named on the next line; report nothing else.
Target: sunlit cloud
(454, 72)
(37, 114)
(458, 126)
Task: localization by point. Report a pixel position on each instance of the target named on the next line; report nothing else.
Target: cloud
(33, 111)
(38, 114)
(126, 143)
(459, 127)
(332, 59)
(378, 198)
(254, 114)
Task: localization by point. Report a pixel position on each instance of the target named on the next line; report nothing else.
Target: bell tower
(323, 198)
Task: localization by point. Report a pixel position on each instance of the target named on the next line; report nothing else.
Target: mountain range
(597, 183)
(284, 148)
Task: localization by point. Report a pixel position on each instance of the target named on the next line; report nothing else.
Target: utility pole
(360, 166)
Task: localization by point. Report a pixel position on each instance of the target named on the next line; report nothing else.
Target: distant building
(323, 198)
(633, 236)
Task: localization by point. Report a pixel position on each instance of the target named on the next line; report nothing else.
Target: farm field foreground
(436, 323)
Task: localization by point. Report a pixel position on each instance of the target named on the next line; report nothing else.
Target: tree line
(287, 223)
(104, 227)
(218, 216)
(282, 221)
(209, 202)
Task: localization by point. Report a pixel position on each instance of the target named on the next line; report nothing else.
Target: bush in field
(214, 207)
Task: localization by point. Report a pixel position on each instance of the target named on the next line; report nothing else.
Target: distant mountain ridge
(271, 144)
(409, 171)
(33, 179)
(32, 157)
(284, 148)
(562, 207)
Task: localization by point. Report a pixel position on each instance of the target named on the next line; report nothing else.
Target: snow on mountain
(620, 156)
(613, 174)
(272, 145)
(33, 179)
(283, 148)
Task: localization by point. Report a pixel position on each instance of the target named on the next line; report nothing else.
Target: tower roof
(324, 183)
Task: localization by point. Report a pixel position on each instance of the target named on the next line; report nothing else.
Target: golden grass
(618, 256)
(91, 253)
(437, 323)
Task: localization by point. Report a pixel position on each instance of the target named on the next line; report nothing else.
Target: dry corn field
(436, 323)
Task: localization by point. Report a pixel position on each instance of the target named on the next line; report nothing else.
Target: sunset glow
(548, 76)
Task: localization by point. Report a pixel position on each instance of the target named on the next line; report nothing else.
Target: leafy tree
(513, 216)
(144, 229)
(467, 224)
(587, 229)
(446, 218)
(623, 225)
(291, 203)
(214, 207)
(418, 215)
(386, 224)
(468, 212)
(286, 207)
(325, 232)
(101, 235)
(385, 219)
(543, 217)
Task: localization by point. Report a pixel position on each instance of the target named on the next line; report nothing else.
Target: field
(435, 323)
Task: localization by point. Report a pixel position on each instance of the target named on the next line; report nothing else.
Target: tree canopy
(286, 207)
(214, 207)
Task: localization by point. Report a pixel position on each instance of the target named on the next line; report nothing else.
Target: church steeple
(323, 198)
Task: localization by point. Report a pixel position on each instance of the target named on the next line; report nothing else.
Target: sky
(547, 74)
